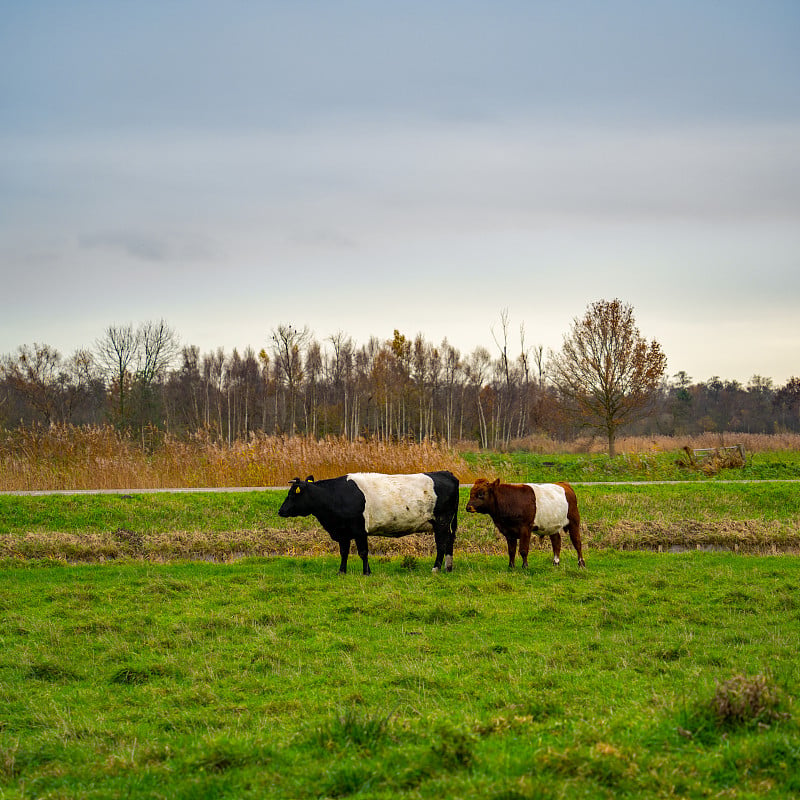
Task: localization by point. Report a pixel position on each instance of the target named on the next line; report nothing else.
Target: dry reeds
(752, 442)
(64, 457)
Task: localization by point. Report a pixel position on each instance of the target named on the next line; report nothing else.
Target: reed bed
(752, 442)
(100, 457)
(64, 457)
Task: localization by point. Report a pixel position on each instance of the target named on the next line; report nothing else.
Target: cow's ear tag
(310, 479)
(297, 490)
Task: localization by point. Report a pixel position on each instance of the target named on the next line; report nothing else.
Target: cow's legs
(452, 525)
(361, 545)
(444, 547)
(575, 538)
(512, 550)
(344, 551)
(555, 540)
(524, 547)
(440, 546)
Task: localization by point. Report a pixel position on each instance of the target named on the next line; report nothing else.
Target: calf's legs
(555, 541)
(524, 547)
(512, 550)
(524, 540)
(575, 538)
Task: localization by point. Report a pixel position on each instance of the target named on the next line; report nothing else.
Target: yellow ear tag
(297, 490)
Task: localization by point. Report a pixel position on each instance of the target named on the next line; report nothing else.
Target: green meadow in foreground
(646, 675)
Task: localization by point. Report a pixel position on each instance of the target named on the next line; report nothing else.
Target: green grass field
(230, 676)
(646, 675)
(638, 466)
(753, 517)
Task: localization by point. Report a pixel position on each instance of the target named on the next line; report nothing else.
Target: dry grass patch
(64, 457)
(745, 536)
(752, 442)
(742, 700)
(742, 536)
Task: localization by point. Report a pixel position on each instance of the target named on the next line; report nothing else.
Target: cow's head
(481, 496)
(297, 502)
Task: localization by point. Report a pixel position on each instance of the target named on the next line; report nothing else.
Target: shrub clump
(743, 700)
(713, 460)
(351, 730)
(409, 562)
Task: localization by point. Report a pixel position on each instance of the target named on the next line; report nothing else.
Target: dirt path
(234, 489)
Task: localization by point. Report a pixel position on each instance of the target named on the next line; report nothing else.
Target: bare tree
(116, 353)
(266, 375)
(538, 358)
(186, 386)
(503, 423)
(523, 360)
(136, 359)
(34, 373)
(606, 370)
(158, 348)
(476, 369)
(451, 362)
(401, 350)
(341, 375)
(286, 347)
(213, 372)
(313, 371)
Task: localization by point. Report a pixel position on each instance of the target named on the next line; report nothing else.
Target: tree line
(607, 378)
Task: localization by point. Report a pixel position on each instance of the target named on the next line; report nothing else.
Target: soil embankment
(742, 536)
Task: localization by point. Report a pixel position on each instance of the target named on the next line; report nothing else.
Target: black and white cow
(370, 503)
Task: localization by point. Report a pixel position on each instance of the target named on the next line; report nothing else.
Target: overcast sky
(366, 166)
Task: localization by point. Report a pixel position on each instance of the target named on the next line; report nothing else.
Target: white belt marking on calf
(396, 503)
(551, 507)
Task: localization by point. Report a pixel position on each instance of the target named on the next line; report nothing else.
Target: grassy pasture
(749, 517)
(647, 675)
(639, 465)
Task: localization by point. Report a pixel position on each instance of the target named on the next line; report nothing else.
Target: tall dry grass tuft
(743, 700)
(100, 457)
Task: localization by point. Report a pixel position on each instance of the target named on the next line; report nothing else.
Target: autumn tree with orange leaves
(606, 371)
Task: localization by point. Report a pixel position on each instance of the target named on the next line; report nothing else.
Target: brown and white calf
(519, 509)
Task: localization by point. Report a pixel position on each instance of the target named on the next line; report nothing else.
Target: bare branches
(605, 377)
(136, 358)
(286, 347)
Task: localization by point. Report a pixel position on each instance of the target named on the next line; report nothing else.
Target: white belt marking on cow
(396, 503)
(551, 507)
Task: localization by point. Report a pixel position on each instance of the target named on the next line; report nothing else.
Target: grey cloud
(150, 247)
(320, 238)
(136, 245)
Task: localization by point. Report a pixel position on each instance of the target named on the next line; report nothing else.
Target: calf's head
(297, 502)
(482, 496)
